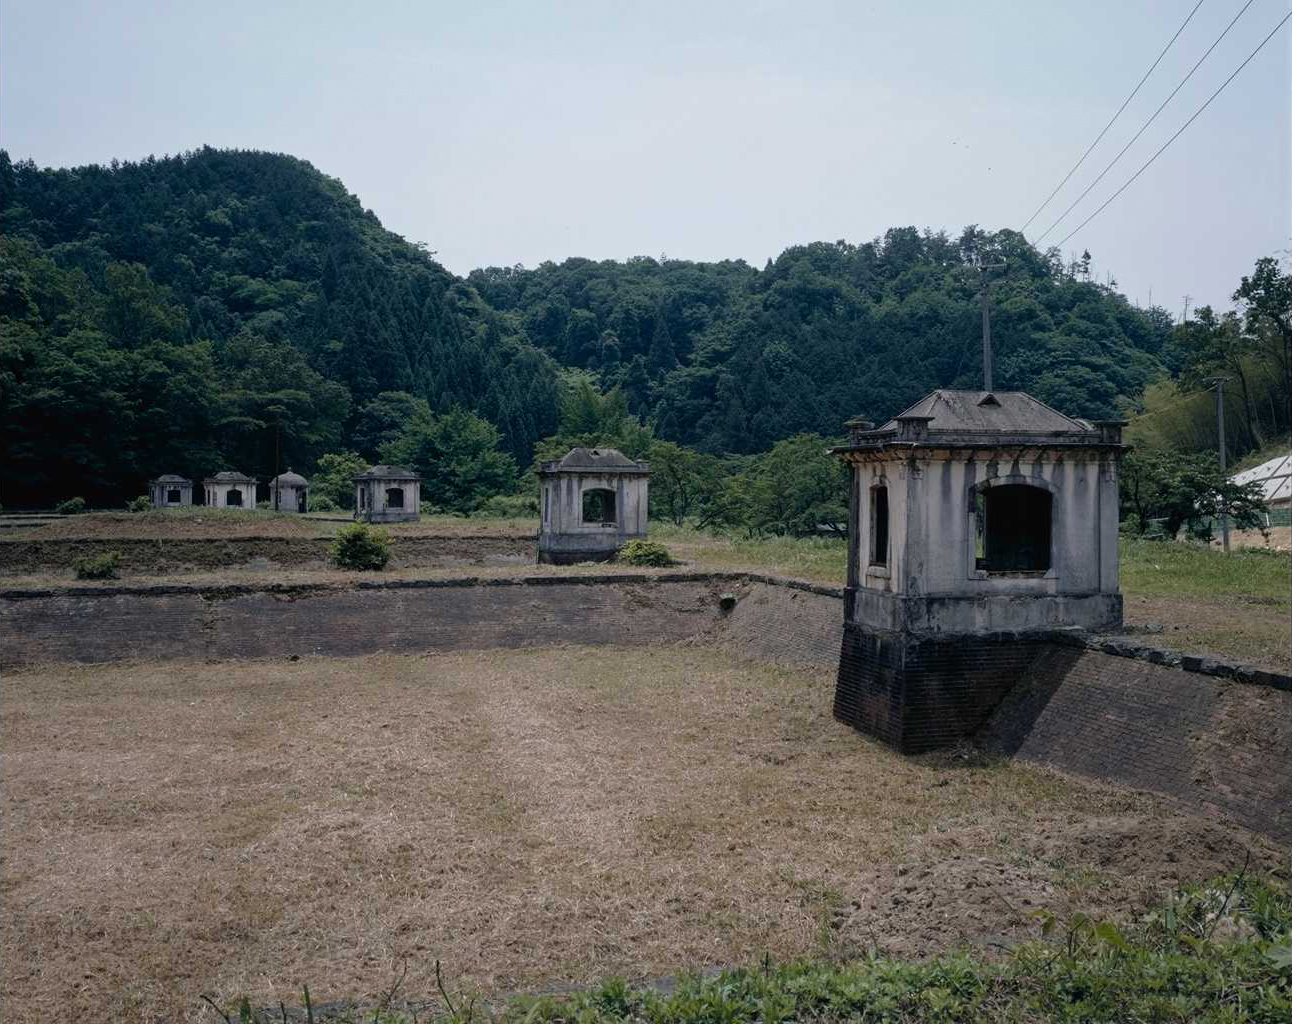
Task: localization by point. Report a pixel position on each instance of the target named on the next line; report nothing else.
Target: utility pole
(1185, 319)
(1219, 384)
(982, 267)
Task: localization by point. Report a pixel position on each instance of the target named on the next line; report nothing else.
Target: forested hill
(192, 313)
(730, 358)
(205, 311)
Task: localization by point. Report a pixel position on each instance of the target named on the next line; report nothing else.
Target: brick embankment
(144, 555)
(1214, 743)
(170, 622)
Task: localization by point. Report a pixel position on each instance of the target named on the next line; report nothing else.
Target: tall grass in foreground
(1217, 954)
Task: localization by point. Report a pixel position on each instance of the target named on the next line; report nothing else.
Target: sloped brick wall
(1214, 743)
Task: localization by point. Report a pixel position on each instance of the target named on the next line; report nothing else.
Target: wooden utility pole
(983, 267)
(1219, 384)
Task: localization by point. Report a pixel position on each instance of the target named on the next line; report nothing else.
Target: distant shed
(170, 491)
(387, 494)
(593, 502)
(1275, 480)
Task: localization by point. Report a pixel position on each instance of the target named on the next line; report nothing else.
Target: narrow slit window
(1013, 528)
(879, 526)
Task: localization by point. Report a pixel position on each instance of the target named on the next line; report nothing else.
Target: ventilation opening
(233, 498)
(172, 496)
(989, 399)
(879, 526)
(394, 497)
(1013, 528)
(599, 506)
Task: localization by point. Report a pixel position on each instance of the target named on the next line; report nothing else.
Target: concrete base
(387, 517)
(572, 548)
(1025, 608)
(920, 691)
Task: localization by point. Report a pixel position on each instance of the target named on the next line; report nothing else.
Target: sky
(503, 133)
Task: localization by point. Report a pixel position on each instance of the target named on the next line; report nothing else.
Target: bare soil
(530, 818)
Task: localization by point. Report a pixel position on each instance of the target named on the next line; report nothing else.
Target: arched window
(1013, 528)
(599, 506)
(394, 497)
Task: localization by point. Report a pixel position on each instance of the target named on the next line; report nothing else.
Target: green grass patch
(1172, 569)
(1215, 954)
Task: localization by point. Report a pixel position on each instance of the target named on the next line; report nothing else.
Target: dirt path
(530, 818)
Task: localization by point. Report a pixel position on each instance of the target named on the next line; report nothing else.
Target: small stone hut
(593, 501)
(170, 491)
(387, 494)
(288, 492)
(980, 523)
(230, 490)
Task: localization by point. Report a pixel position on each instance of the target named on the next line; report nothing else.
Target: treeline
(1248, 351)
(225, 309)
(1173, 479)
(231, 309)
(727, 358)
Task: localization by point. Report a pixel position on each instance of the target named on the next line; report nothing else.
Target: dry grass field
(530, 818)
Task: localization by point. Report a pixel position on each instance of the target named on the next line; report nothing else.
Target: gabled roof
(989, 412)
(230, 476)
(595, 460)
(387, 473)
(1274, 477)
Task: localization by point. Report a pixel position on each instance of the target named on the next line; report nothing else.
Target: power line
(1283, 21)
(1144, 127)
(1114, 117)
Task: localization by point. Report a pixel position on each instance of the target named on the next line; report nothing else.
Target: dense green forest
(231, 309)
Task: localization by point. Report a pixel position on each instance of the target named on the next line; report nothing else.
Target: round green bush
(643, 552)
(360, 547)
(71, 507)
(322, 503)
(98, 567)
(139, 504)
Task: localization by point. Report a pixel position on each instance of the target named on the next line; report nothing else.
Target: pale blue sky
(519, 132)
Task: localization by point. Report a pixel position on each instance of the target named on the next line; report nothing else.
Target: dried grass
(528, 817)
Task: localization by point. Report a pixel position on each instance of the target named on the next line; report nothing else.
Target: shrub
(263, 506)
(140, 504)
(322, 503)
(71, 507)
(360, 547)
(509, 506)
(643, 552)
(98, 567)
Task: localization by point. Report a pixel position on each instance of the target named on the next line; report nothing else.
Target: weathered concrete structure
(170, 491)
(288, 492)
(387, 494)
(979, 523)
(593, 501)
(230, 490)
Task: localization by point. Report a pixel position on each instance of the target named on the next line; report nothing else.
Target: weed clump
(71, 507)
(644, 552)
(360, 547)
(98, 567)
(139, 504)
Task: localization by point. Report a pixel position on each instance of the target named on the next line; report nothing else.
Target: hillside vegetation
(234, 309)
